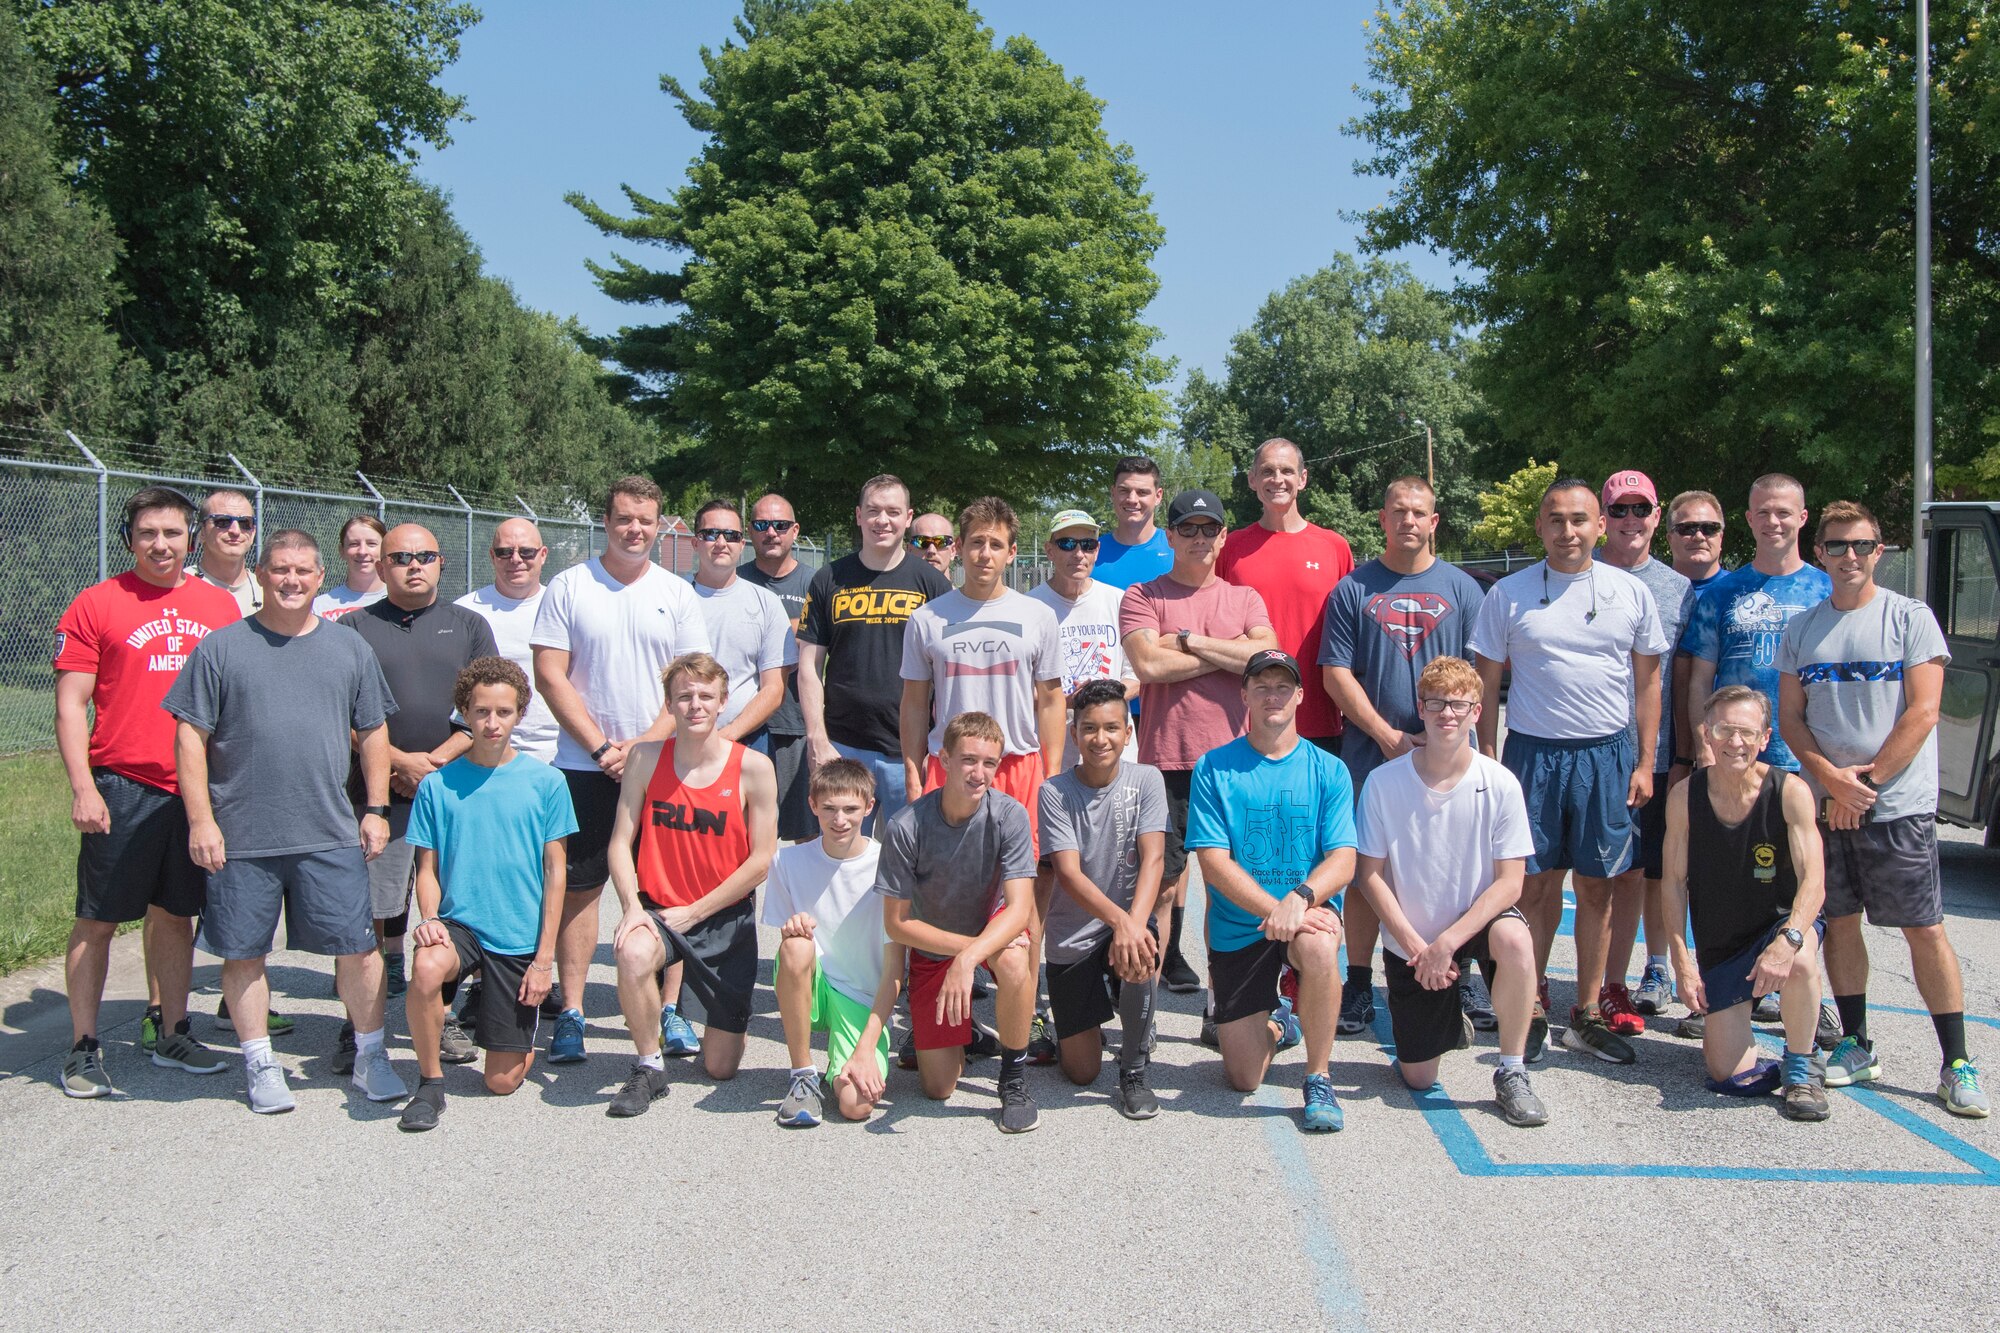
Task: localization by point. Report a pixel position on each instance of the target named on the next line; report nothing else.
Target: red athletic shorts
(1020, 776)
(926, 980)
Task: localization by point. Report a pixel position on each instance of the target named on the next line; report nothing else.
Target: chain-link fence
(61, 500)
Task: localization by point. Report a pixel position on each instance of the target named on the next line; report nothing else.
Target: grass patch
(38, 870)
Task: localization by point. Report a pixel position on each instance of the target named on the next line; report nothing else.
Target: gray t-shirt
(1851, 664)
(751, 635)
(790, 590)
(1674, 596)
(951, 874)
(278, 710)
(1102, 825)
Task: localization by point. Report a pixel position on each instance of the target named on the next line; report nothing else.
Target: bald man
(422, 645)
(931, 537)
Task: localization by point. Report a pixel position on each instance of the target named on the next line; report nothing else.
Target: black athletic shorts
(721, 958)
(1653, 830)
(1245, 981)
(1179, 782)
(1084, 994)
(143, 861)
(594, 796)
(1427, 1023)
(504, 1023)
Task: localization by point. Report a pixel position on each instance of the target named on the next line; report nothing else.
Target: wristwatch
(381, 810)
(598, 753)
(1305, 891)
(1181, 638)
(1793, 938)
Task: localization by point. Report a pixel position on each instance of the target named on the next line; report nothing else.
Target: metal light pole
(1430, 457)
(1920, 478)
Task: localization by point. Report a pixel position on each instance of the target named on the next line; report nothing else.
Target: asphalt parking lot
(1646, 1198)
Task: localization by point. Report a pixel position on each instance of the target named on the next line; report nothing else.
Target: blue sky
(1234, 112)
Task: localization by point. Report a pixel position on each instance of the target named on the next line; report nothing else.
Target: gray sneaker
(269, 1093)
(1850, 1062)
(455, 1046)
(1474, 1001)
(178, 1050)
(802, 1106)
(83, 1073)
(1518, 1102)
(1959, 1090)
(376, 1078)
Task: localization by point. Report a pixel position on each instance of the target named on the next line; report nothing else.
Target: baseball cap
(1194, 504)
(1271, 657)
(1072, 518)
(1629, 482)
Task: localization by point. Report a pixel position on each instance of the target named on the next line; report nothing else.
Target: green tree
(1508, 511)
(1345, 362)
(902, 249)
(1689, 228)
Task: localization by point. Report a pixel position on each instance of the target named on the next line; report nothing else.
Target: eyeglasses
(1633, 509)
(404, 559)
(1074, 543)
(516, 552)
(730, 535)
(1861, 546)
(243, 521)
(1199, 531)
(773, 524)
(930, 543)
(1697, 529)
(1727, 734)
(1456, 707)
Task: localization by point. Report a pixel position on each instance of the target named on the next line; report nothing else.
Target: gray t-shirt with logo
(1852, 665)
(1102, 825)
(951, 873)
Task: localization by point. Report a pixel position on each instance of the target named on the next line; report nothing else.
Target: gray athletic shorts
(1889, 867)
(389, 878)
(323, 895)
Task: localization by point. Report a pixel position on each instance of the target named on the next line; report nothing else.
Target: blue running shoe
(566, 1047)
(677, 1035)
(1289, 1034)
(1322, 1114)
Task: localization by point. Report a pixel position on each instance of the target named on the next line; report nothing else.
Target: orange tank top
(692, 838)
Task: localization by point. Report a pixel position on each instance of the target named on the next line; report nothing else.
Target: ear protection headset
(192, 510)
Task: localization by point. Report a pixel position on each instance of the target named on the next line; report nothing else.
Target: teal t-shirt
(1277, 818)
(488, 827)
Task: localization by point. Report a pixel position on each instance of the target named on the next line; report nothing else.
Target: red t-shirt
(1295, 572)
(135, 637)
(1181, 722)
(690, 838)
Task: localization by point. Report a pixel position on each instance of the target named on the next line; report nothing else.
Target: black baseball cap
(1270, 657)
(1195, 504)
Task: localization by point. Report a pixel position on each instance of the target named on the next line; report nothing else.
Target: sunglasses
(930, 543)
(1456, 707)
(1074, 543)
(404, 559)
(1199, 531)
(1861, 546)
(773, 524)
(1631, 509)
(243, 521)
(516, 552)
(1697, 529)
(730, 535)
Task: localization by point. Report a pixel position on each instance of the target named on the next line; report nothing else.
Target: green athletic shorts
(842, 1020)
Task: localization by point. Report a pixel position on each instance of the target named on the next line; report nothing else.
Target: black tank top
(1740, 877)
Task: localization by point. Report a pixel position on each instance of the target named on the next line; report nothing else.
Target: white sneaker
(269, 1092)
(376, 1077)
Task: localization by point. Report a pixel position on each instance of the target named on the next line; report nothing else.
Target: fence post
(103, 507)
(381, 502)
(257, 501)
(527, 509)
(468, 532)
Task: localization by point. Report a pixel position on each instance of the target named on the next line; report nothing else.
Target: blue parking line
(1339, 1299)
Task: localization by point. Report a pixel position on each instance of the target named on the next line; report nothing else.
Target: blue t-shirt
(1738, 622)
(1386, 628)
(1277, 818)
(1122, 566)
(488, 826)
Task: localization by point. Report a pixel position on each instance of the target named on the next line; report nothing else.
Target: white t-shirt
(619, 638)
(1571, 638)
(752, 635)
(984, 657)
(1438, 848)
(1087, 628)
(340, 600)
(838, 894)
(512, 620)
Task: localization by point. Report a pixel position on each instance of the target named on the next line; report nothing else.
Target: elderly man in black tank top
(1743, 852)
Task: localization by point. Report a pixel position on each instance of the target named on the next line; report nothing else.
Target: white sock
(1656, 960)
(804, 1069)
(654, 1061)
(367, 1041)
(1513, 1062)
(256, 1049)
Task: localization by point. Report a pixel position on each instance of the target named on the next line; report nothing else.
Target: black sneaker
(343, 1054)
(1692, 1027)
(1357, 1011)
(1042, 1042)
(642, 1088)
(1017, 1109)
(1588, 1035)
(981, 987)
(906, 1054)
(421, 1111)
(1135, 1100)
(1767, 1009)
(983, 1046)
(455, 1045)
(1208, 1037)
(551, 1006)
(1178, 977)
(1828, 1034)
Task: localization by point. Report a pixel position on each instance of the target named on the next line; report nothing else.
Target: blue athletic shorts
(1576, 802)
(1728, 982)
(323, 896)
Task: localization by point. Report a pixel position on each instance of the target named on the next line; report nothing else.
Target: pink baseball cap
(1629, 482)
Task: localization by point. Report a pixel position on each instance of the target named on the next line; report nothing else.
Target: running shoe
(1018, 1113)
(906, 1054)
(179, 1050)
(1828, 1034)
(422, 1111)
(1474, 1001)
(399, 981)
(269, 1093)
(566, 1046)
(275, 1023)
(1135, 1100)
(677, 1035)
(642, 1088)
(343, 1051)
(1588, 1035)
(1767, 1009)
(1656, 990)
(1289, 1033)
(1692, 1026)
(1288, 983)
(455, 1046)
(1042, 1041)
(983, 1046)
(981, 987)
(1850, 1062)
(1518, 1103)
(1208, 1037)
(376, 1077)
(802, 1106)
(149, 1029)
(1178, 977)
(1357, 1012)
(1959, 1090)
(1538, 1026)
(1806, 1100)
(551, 1006)
(1322, 1114)
(1614, 1002)
(83, 1071)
